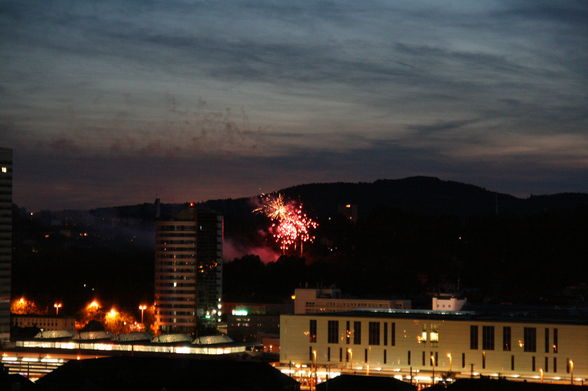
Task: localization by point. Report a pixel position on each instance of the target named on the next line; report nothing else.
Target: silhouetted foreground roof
(16, 382)
(364, 383)
(170, 374)
(503, 385)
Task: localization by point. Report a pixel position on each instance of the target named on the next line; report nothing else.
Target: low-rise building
(309, 301)
(421, 344)
(45, 322)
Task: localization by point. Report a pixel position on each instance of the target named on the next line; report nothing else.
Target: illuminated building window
(347, 332)
(312, 331)
(434, 336)
(506, 339)
(4, 170)
(555, 341)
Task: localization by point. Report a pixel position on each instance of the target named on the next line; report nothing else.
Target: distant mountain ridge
(418, 194)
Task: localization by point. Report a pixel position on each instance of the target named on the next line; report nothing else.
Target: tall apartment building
(188, 271)
(5, 240)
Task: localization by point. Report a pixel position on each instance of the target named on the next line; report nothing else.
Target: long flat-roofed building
(188, 270)
(419, 343)
(5, 241)
(308, 301)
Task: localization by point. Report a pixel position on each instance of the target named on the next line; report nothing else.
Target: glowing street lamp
(57, 306)
(142, 307)
(571, 372)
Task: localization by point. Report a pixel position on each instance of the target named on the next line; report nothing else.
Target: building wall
(44, 322)
(308, 301)
(5, 241)
(188, 271)
(453, 339)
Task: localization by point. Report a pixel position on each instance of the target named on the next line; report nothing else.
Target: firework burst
(291, 227)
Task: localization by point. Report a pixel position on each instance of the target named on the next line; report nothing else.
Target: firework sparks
(291, 227)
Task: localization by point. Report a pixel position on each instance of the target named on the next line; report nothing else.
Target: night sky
(115, 102)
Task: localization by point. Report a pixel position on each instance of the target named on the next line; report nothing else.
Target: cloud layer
(114, 102)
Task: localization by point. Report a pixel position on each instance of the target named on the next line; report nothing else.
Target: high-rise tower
(188, 270)
(5, 241)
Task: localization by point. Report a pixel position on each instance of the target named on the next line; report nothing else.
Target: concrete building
(45, 322)
(188, 270)
(5, 241)
(309, 301)
(447, 302)
(421, 344)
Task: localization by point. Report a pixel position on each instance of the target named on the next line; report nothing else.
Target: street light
(142, 307)
(57, 306)
(433, 361)
(572, 372)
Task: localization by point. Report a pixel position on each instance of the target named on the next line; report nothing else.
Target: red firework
(290, 225)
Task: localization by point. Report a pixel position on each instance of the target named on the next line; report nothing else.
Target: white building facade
(413, 344)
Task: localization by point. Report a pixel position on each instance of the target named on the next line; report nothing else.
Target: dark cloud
(229, 97)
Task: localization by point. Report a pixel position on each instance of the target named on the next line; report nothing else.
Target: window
(385, 334)
(423, 359)
(512, 363)
(347, 332)
(328, 354)
(546, 364)
(473, 337)
(533, 363)
(333, 331)
(347, 351)
(374, 333)
(530, 335)
(385, 356)
(488, 337)
(365, 355)
(312, 331)
(357, 333)
(340, 354)
(393, 334)
(555, 364)
(546, 341)
(408, 358)
(310, 354)
(506, 339)
(567, 365)
(555, 341)
(483, 360)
